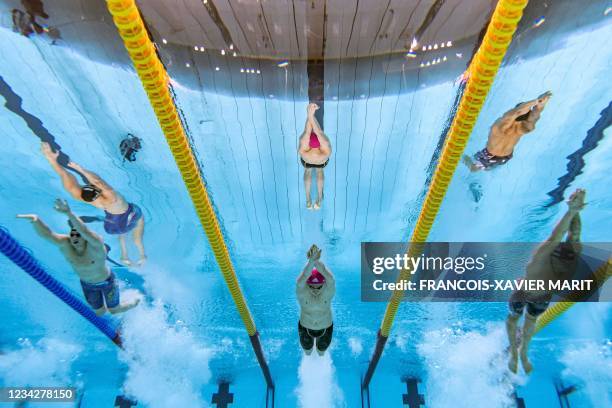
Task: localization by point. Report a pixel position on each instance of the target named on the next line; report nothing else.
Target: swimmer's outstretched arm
(43, 229)
(91, 237)
(303, 277)
(70, 183)
(575, 204)
(316, 127)
(304, 141)
(329, 277)
(536, 107)
(330, 280)
(509, 117)
(92, 177)
(536, 112)
(575, 229)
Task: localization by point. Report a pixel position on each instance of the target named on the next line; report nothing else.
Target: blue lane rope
(14, 251)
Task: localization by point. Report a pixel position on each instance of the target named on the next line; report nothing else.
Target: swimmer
(121, 216)
(506, 133)
(314, 151)
(86, 253)
(35, 8)
(554, 259)
(315, 289)
(25, 23)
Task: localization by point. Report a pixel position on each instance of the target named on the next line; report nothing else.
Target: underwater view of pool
(167, 166)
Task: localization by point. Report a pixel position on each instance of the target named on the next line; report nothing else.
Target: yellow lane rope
(601, 275)
(155, 79)
(482, 72)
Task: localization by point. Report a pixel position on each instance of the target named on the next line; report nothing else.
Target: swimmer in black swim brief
(553, 260)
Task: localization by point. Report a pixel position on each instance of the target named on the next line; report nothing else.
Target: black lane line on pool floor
(14, 104)
(576, 160)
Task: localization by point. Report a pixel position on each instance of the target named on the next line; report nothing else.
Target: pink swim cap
(314, 141)
(315, 278)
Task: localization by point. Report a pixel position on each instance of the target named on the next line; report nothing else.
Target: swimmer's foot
(142, 260)
(526, 363)
(308, 204)
(126, 261)
(467, 160)
(513, 362)
(125, 306)
(317, 205)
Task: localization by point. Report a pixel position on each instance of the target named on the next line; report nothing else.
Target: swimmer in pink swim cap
(315, 290)
(314, 151)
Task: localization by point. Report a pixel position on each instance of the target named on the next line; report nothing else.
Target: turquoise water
(385, 119)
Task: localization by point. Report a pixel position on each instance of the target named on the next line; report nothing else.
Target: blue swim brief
(117, 224)
(99, 293)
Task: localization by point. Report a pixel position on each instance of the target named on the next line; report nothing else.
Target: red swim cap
(315, 278)
(314, 141)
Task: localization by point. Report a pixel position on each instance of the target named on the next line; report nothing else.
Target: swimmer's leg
(124, 252)
(528, 330)
(467, 160)
(138, 235)
(124, 306)
(320, 182)
(324, 340)
(306, 340)
(307, 186)
(511, 327)
(100, 311)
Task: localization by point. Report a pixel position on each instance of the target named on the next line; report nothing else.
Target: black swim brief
(308, 336)
(534, 309)
(485, 160)
(313, 166)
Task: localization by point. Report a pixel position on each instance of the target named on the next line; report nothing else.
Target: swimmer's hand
(312, 108)
(543, 99)
(576, 200)
(48, 151)
(314, 253)
(31, 217)
(62, 206)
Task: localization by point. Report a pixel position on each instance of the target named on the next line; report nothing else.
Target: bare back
(547, 266)
(89, 266)
(111, 202)
(504, 137)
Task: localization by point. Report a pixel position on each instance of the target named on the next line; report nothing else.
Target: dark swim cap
(90, 192)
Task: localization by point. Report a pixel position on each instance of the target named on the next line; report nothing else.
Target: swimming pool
(385, 116)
